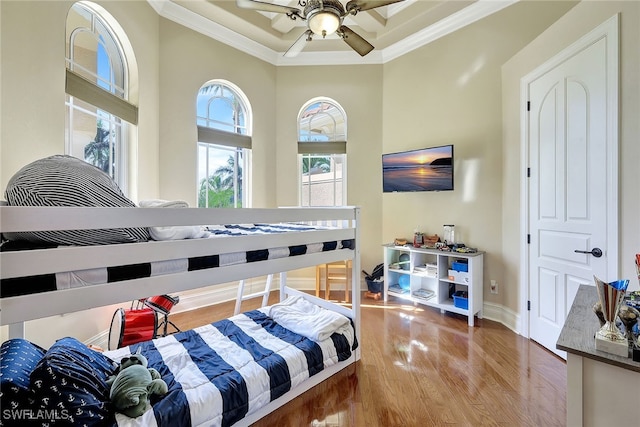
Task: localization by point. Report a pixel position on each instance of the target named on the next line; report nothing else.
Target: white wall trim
(501, 314)
(524, 210)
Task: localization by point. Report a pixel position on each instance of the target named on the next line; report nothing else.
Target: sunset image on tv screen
(428, 169)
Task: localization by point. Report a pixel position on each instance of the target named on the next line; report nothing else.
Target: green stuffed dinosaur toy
(133, 384)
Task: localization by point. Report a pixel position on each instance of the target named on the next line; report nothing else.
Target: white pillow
(178, 232)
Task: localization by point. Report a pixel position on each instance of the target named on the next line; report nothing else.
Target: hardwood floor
(423, 368)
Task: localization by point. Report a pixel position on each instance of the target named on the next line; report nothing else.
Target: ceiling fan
(324, 17)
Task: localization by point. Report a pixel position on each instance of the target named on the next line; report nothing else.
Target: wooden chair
(334, 273)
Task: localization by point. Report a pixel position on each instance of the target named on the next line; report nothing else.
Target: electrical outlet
(494, 287)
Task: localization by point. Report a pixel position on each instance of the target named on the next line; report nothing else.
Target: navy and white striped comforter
(219, 373)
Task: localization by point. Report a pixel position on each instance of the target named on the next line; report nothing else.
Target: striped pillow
(67, 181)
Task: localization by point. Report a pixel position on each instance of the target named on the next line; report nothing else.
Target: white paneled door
(570, 183)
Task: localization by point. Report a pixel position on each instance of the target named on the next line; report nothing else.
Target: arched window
(224, 146)
(97, 92)
(322, 148)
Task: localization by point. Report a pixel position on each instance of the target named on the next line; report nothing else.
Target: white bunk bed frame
(14, 311)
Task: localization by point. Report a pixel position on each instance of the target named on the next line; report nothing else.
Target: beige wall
(358, 89)
(31, 64)
(447, 92)
(189, 60)
(579, 21)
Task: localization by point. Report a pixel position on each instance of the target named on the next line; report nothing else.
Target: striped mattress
(11, 287)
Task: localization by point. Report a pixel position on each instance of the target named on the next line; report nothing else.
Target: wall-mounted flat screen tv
(427, 169)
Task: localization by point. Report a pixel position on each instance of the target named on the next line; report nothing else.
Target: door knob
(596, 252)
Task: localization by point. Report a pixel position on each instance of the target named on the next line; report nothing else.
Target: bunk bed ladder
(264, 294)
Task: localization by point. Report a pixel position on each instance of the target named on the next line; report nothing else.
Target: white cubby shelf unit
(431, 276)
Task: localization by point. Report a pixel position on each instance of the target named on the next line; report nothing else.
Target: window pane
(220, 108)
(219, 176)
(322, 121)
(84, 54)
(322, 180)
(92, 51)
(78, 17)
(220, 111)
(220, 164)
(94, 136)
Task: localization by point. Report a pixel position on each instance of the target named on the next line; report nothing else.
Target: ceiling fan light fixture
(324, 18)
(324, 22)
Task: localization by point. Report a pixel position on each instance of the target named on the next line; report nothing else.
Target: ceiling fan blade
(267, 7)
(354, 40)
(299, 44)
(360, 5)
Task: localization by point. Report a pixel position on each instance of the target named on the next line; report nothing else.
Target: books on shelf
(398, 290)
(423, 294)
(428, 270)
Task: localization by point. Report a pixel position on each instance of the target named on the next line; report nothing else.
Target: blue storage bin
(460, 266)
(460, 300)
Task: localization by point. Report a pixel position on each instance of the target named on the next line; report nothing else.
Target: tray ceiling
(393, 30)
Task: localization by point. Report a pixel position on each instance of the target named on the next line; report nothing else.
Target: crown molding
(180, 15)
(329, 58)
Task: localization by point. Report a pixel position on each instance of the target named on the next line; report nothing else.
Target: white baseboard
(218, 294)
(501, 314)
(194, 301)
(100, 340)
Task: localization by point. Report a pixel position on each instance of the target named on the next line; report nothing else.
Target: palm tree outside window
(224, 146)
(322, 136)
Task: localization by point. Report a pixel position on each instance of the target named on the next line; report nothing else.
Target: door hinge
(528, 239)
(528, 305)
(528, 105)
(528, 172)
